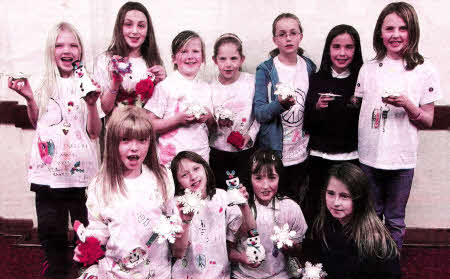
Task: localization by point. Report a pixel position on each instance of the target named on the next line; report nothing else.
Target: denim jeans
(390, 189)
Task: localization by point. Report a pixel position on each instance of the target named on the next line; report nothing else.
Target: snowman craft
(255, 251)
(234, 196)
(84, 82)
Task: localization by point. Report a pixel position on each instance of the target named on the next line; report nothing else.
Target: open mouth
(67, 59)
(133, 157)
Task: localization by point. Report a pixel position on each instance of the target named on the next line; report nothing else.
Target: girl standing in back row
(281, 119)
(332, 121)
(232, 92)
(133, 42)
(63, 155)
(398, 90)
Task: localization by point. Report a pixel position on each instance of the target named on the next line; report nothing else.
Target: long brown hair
(126, 122)
(194, 157)
(411, 54)
(149, 48)
(364, 227)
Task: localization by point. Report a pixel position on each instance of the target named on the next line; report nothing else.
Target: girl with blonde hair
(63, 154)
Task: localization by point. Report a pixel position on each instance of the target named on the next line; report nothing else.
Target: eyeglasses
(290, 34)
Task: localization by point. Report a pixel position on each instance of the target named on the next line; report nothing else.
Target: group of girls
(394, 97)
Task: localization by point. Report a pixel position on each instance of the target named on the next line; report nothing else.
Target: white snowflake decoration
(167, 228)
(393, 91)
(224, 113)
(192, 201)
(196, 110)
(284, 90)
(16, 75)
(282, 236)
(311, 271)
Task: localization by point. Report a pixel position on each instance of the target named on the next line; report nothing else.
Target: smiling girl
(179, 130)
(281, 119)
(232, 91)
(63, 155)
(203, 250)
(271, 207)
(134, 41)
(332, 122)
(398, 90)
(353, 241)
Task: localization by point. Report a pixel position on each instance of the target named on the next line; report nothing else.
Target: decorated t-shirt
(136, 73)
(237, 99)
(386, 137)
(175, 94)
(206, 256)
(295, 141)
(62, 154)
(286, 211)
(125, 226)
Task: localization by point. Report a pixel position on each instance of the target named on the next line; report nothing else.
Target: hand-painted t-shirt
(62, 154)
(295, 141)
(237, 98)
(175, 94)
(206, 256)
(125, 226)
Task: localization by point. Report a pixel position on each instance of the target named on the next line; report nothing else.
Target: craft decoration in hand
(84, 82)
(223, 113)
(234, 196)
(236, 139)
(192, 201)
(255, 251)
(284, 90)
(16, 75)
(120, 65)
(167, 228)
(392, 92)
(330, 95)
(282, 236)
(196, 110)
(313, 271)
(88, 246)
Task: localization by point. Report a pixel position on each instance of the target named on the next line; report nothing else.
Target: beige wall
(23, 30)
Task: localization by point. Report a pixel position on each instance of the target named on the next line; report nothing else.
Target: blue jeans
(390, 189)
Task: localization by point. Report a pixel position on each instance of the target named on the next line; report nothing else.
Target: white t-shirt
(295, 141)
(125, 227)
(386, 137)
(274, 266)
(236, 97)
(175, 94)
(206, 256)
(62, 154)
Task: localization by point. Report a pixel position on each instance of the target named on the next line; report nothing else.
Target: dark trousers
(294, 182)
(53, 207)
(318, 174)
(391, 189)
(223, 161)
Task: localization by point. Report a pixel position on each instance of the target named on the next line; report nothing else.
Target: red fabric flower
(144, 89)
(236, 139)
(90, 251)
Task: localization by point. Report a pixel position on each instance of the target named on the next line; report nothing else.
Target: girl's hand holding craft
(21, 86)
(323, 101)
(159, 72)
